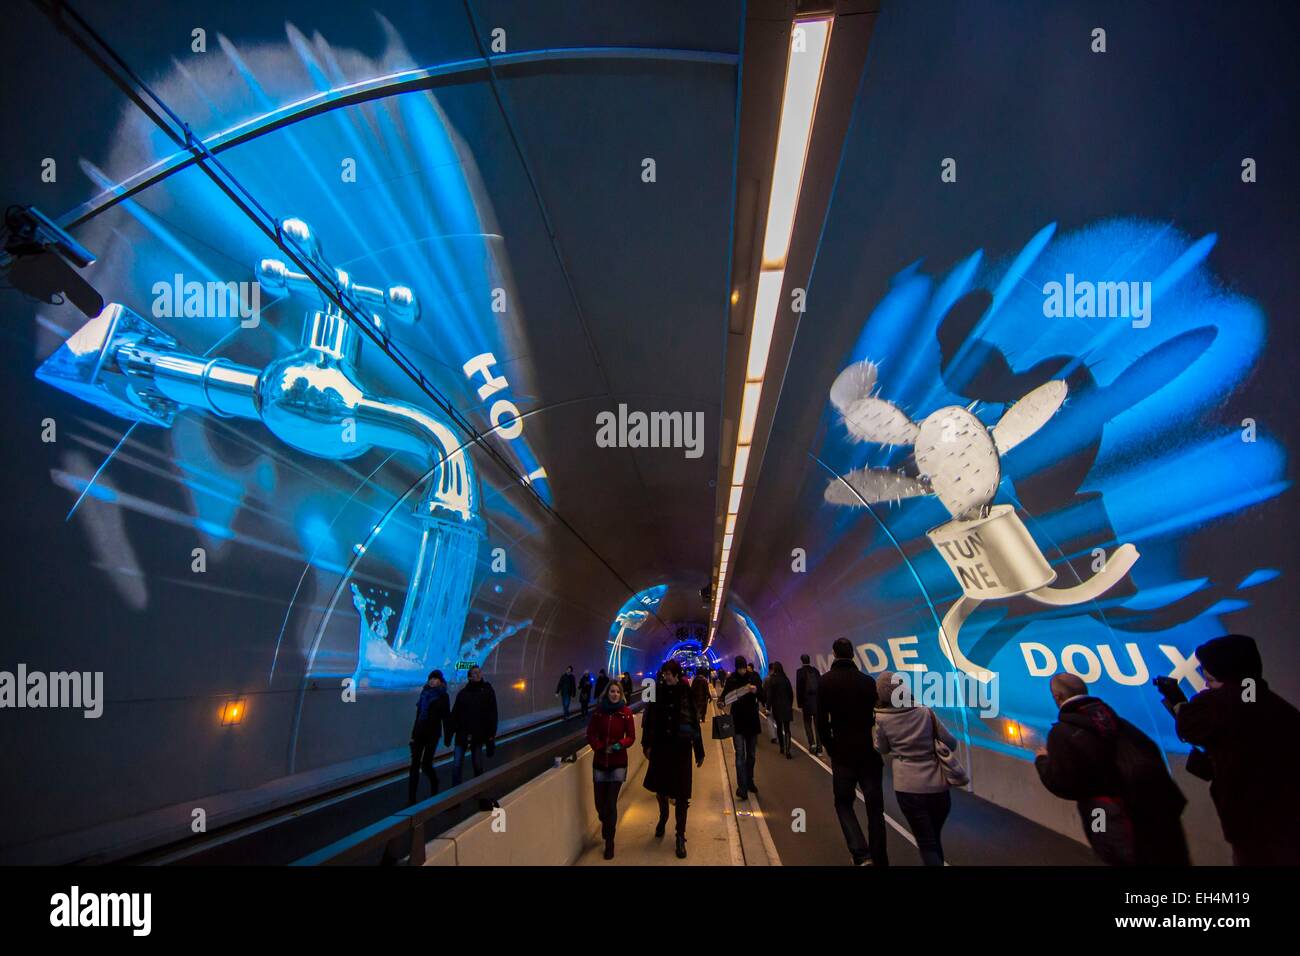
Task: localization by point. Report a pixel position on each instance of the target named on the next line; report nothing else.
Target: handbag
(723, 727)
(949, 765)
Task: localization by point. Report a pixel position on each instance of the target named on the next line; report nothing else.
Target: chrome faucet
(313, 401)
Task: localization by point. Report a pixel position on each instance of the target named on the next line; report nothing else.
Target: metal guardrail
(410, 824)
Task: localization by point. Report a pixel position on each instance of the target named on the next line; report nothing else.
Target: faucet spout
(397, 426)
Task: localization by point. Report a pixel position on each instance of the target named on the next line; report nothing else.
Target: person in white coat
(907, 732)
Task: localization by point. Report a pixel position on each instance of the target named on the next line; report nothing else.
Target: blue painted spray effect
(1007, 289)
(1165, 281)
(1258, 577)
(1151, 384)
(952, 288)
(1205, 481)
(172, 245)
(1151, 598)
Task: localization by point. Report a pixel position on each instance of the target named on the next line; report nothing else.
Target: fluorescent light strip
(760, 333)
(802, 79)
(741, 465)
(798, 109)
(749, 412)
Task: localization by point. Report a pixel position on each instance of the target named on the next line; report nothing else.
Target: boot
(609, 849)
(681, 847)
(659, 830)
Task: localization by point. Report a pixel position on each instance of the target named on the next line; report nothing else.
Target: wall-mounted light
(519, 685)
(232, 711)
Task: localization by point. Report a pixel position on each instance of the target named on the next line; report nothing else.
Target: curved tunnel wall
(209, 563)
(985, 164)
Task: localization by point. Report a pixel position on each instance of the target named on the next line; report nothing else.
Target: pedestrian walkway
(801, 815)
(712, 835)
(792, 821)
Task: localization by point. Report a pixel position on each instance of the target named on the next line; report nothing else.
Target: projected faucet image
(313, 401)
(987, 547)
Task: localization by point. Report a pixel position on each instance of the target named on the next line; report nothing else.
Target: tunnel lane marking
(907, 834)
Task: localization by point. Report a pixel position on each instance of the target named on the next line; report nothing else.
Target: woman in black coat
(670, 736)
(780, 704)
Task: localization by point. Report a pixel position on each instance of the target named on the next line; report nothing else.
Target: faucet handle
(398, 301)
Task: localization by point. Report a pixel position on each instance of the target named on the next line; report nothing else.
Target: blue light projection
(634, 613)
(414, 213)
(752, 636)
(1138, 453)
(692, 655)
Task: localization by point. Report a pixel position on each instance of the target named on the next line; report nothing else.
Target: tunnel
(722, 351)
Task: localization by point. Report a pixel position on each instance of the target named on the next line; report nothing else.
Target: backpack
(1143, 780)
(1134, 772)
(810, 681)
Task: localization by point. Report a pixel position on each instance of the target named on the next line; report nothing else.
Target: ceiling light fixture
(806, 56)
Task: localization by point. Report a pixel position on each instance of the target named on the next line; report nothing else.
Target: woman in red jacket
(611, 731)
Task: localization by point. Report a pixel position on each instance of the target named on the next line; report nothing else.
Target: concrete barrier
(548, 821)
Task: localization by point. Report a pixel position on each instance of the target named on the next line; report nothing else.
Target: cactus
(957, 457)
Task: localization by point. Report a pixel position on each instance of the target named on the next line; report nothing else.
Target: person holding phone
(1245, 730)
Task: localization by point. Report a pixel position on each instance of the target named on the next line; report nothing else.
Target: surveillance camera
(32, 232)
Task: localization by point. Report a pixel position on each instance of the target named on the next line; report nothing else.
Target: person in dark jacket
(1128, 802)
(741, 694)
(601, 680)
(805, 696)
(431, 713)
(626, 681)
(780, 704)
(1245, 730)
(846, 699)
(670, 736)
(700, 690)
(611, 731)
(474, 725)
(584, 693)
(565, 690)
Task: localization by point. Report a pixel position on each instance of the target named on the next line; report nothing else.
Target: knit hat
(1231, 659)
